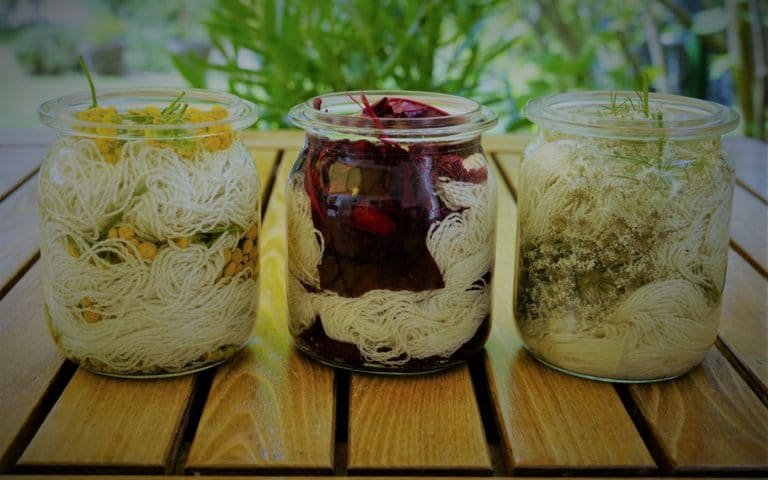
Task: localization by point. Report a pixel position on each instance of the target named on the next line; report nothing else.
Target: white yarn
(662, 329)
(622, 263)
(81, 190)
(184, 197)
(392, 327)
(305, 242)
(163, 315)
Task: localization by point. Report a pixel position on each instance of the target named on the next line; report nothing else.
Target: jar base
(155, 376)
(606, 379)
(377, 369)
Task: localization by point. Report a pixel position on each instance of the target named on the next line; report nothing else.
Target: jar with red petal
(391, 215)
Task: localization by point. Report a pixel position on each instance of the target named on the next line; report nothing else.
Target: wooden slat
(29, 362)
(744, 318)
(271, 408)
(706, 420)
(549, 420)
(749, 227)
(416, 423)
(750, 157)
(274, 140)
(265, 163)
(510, 168)
(510, 143)
(16, 164)
(293, 139)
(107, 423)
(306, 477)
(26, 137)
(19, 230)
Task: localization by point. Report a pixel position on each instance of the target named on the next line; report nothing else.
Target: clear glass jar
(149, 209)
(391, 231)
(624, 209)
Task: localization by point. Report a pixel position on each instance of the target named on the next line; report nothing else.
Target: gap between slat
(19, 184)
(751, 191)
(507, 181)
(644, 429)
(340, 451)
(48, 400)
(748, 258)
(491, 423)
(267, 194)
(19, 274)
(760, 390)
(39, 372)
(200, 390)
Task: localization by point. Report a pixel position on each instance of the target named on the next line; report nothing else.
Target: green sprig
(617, 110)
(94, 102)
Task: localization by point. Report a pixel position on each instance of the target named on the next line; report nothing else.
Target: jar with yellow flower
(150, 213)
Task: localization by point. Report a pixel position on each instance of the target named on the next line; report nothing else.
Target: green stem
(173, 105)
(94, 103)
(646, 106)
(662, 138)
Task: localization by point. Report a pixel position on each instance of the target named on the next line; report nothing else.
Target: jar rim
(60, 113)
(584, 113)
(338, 113)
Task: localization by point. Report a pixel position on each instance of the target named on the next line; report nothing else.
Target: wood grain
(17, 165)
(750, 158)
(744, 318)
(265, 163)
(707, 420)
(510, 143)
(549, 420)
(749, 227)
(102, 422)
(509, 164)
(416, 423)
(29, 361)
(274, 140)
(271, 408)
(26, 137)
(306, 477)
(19, 230)
(293, 139)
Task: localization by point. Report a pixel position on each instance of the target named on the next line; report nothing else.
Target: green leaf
(709, 21)
(719, 65)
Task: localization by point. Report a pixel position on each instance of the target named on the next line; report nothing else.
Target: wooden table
(270, 411)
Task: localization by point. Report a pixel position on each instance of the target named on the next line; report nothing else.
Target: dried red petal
(452, 166)
(372, 220)
(389, 107)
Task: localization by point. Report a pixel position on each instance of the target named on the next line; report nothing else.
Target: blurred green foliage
(151, 30)
(281, 52)
(499, 52)
(47, 49)
(502, 53)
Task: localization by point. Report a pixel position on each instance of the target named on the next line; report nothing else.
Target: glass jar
(391, 231)
(624, 208)
(149, 208)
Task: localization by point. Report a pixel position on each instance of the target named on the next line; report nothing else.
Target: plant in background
(47, 49)
(279, 53)
(712, 49)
